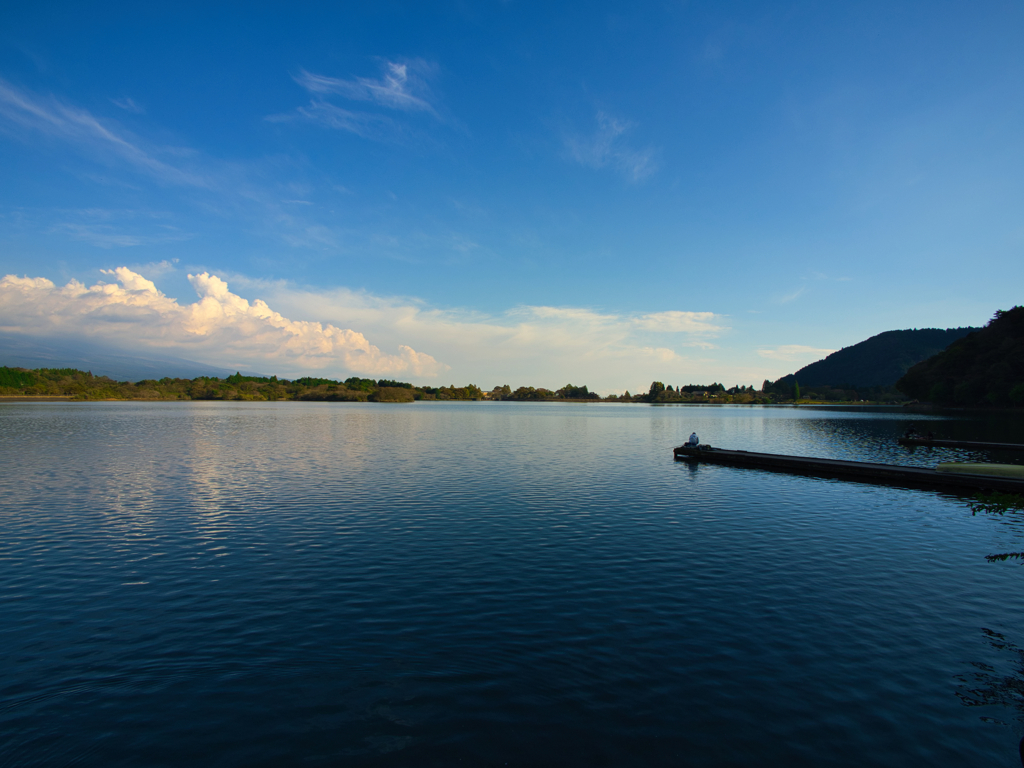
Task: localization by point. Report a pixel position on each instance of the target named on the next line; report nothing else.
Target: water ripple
(490, 583)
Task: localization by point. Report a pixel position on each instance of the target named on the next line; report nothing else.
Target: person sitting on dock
(694, 441)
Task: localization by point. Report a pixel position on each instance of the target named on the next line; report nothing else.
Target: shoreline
(72, 399)
(44, 398)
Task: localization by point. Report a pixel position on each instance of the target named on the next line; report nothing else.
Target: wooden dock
(886, 474)
(936, 443)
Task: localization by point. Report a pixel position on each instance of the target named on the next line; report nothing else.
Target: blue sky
(509, 192)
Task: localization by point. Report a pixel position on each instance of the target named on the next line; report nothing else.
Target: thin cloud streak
(128, 105)
(367, 125)
(792, 296)
(124, 228)
(679, 322)
(402, 86)
(106, 237)
(607, 147)
(228, 188)
(51, 117)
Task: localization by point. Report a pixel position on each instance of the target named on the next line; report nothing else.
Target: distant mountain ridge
(22, 351)
(876, 362)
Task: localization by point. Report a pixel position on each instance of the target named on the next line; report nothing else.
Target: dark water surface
(239, 584)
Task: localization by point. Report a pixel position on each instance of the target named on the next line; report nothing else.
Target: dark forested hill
(984, 368)
(876, 362)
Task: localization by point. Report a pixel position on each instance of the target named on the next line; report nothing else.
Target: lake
(491, 584)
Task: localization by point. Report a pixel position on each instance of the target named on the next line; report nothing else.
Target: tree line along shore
(961, 367)
(83, 385)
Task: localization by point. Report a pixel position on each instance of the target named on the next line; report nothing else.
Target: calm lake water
(249, 584)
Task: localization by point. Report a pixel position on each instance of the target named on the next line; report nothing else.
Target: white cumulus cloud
(528, 345)
(220, 328)
(294, 331)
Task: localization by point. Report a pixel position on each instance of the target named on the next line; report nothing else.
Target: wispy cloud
(813, 276)
(823, 276)
(699, 344)
(47, 115)
(157, 268)
(792, 296)
(313, 236)
(676, 321)
(403, 87)
(128, 105)
(106, 228)
(103, 236)
(607, 147)
(212, 186)
(220, 326)
(368, 125)
(795, 353)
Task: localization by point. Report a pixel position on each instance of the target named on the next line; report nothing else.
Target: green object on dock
(981, 468)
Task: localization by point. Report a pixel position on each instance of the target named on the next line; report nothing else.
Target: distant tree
(16, 378)
(393, 395)
(468, 392)
(366, 385)
(796, 389)
(238, 378)
(570, 392)
(310, 381)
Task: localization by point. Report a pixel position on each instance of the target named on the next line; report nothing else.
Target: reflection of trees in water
(1005, 556)
(987, 686)
(997, 503)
